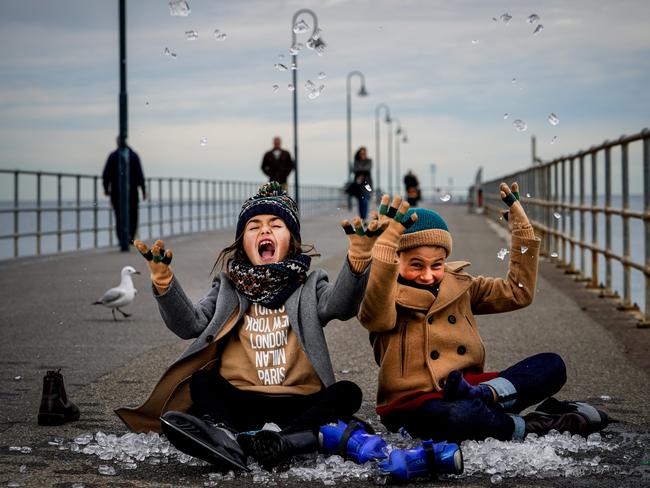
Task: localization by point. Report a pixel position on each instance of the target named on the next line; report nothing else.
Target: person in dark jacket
(111, 182)
(361, 186)
(277, 163)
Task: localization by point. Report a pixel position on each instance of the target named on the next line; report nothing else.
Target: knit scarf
(270, 284)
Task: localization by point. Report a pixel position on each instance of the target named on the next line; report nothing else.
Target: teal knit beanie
(429, 230)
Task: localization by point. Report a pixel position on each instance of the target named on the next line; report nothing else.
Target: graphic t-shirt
(263, 354)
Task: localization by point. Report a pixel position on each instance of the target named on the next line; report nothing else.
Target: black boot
(576, 417)
(55, 407)
(270, 448)
(202, 438)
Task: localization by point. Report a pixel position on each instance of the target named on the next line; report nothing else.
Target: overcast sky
(60, 81)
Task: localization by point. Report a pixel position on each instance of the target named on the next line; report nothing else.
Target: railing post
(39, 213)
(594, 220)
(207, 205)
(646, 223)
(539, 195)
(160, 205)
(171, 207)
(58, 213)
(214, 204)
(562, 224)
(191, 205)
(572, 247)
(16, 214)
(583, 267)
(149, 209)
(608, 220)
(180, 197)
(110, 224)
(549, 210)
(535, 194)
(78, 210)
(221, 205)
(558, 204)
(198, 205)
(231, 196)
(625, 175)
(95, 211)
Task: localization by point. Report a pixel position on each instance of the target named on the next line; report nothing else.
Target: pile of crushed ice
(124, 451)
(549, 456)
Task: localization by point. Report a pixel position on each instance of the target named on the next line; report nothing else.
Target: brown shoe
(542, 423)
(576, 417)
(55, 408)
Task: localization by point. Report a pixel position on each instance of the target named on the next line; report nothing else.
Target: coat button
(430, 319)
(451, 319)
(461, 350)
(435, 355)
(209, 338)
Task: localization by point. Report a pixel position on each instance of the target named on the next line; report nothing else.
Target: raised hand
(158, 260)
(393, 217)
(515, 215)
(361, 241)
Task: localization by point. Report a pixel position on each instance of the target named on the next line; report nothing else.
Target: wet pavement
(47, 322)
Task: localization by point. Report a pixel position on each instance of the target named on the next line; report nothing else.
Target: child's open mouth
(266, 250)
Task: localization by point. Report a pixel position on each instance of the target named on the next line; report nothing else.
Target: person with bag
(361, 185)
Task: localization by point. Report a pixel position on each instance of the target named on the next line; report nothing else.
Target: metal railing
(565, 212)
(54, 212)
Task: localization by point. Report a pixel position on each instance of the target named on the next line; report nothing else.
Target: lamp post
(377, 145)
(362, 93)
(318, 44)
(123, 153)
(390, 156)
(399, 134)
(399, 169)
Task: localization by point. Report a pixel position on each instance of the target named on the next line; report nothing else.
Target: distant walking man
(277, 163)
(111, 181)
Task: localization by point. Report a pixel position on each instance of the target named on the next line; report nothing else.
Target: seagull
(122, 295)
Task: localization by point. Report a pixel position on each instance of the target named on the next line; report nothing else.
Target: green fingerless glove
(158, 261)
(393, 219)
(516, 215)
(361, 243)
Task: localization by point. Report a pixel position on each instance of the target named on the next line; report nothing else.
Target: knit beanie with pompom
(270, 199)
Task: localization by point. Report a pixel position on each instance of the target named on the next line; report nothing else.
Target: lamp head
(362, 91)
(405, 139)
(388, 119)
(317, 44)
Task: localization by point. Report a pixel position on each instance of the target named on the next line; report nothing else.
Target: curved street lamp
(319, 45)
(390, 156)
(377, 182)
(362, 93)
(398, 132)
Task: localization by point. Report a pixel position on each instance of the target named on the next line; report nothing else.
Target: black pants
(247, 410)
(133, 217)
(526, 383)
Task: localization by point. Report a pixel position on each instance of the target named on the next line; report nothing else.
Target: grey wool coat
(310, 308)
